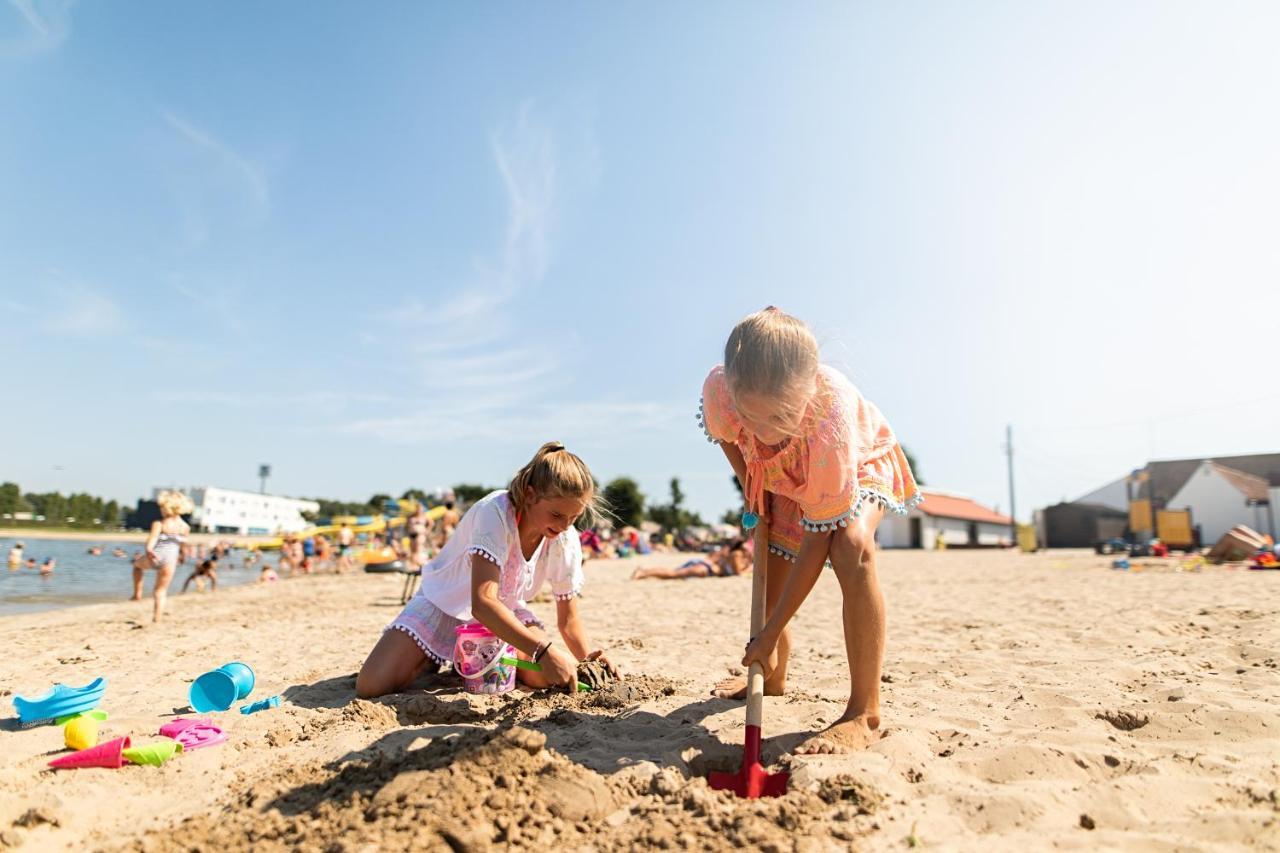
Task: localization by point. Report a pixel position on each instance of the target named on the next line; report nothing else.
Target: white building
(960, 520)
(246, 513)
(1221, 497)
(1114, 494)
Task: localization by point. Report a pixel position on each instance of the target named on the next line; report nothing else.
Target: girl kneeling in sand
(164, 544)
(821, 464)
(504, 549)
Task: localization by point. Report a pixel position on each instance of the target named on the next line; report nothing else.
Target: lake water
(81, 578)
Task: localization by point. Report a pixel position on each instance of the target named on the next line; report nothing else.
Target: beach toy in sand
(60, 701)
(97, 714)
(1121, 564)
(750, 520)
(193, 733)
(261, 705)
(153, 754)
(218, 689)
(535, 667)
(751, 781)
(478, 654)
(109, 754)
(80, 733)
(242, 674)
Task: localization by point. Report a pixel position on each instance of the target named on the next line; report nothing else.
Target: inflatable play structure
(359, 524)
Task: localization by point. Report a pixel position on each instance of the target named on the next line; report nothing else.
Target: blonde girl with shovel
(822, 465)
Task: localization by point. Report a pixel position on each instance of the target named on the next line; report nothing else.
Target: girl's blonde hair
(554, 472)
(173, 502)
(771, 353)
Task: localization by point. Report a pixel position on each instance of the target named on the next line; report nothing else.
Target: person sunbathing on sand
(727, 561)
(507, 546)
(821, 465)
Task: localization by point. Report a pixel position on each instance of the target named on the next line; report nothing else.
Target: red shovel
(752, 782)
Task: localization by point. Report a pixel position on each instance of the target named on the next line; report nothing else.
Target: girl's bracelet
(541, 650)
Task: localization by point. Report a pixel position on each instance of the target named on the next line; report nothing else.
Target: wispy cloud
(222, 177)
(594, 423)
(43, 26)
(489, 372)
(244, 400)
(462, 343)
(78, 309)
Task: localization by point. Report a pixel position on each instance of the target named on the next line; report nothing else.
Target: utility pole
(1013, 507)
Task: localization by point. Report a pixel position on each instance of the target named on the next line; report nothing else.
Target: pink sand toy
(109, 754)
(478, 654)
(193, 733)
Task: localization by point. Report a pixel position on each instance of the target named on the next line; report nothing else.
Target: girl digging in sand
(162, 548)
(821, 463)
(503, 550)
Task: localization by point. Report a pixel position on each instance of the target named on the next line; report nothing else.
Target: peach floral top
(847, 454)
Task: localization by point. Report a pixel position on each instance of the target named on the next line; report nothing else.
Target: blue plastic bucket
(242, 675)
(213, 691)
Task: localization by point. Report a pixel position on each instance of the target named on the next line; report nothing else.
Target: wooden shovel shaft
(759, 574)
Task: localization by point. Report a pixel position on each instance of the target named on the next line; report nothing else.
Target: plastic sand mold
(109, 754)
(80, 733)
(154, 754)
(193, 733)
(261, 705)
(60, 701)
(97, 714)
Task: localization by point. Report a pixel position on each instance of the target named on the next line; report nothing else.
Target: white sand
(997, 670)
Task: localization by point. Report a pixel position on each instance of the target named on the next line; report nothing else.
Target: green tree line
(56, 509)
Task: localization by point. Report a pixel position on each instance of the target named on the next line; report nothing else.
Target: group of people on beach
(816, 461)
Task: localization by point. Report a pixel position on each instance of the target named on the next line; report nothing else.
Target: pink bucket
(477, 656)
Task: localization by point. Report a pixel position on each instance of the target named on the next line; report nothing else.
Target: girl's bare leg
(853, 556)
(392, 665)
(164, 574)
(138, 575)
(776, 683)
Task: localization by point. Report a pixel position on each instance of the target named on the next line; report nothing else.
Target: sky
(401, 245)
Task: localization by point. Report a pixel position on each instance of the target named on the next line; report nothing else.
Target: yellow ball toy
(81, 733)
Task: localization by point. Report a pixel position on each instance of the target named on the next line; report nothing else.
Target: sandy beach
(1030, 701)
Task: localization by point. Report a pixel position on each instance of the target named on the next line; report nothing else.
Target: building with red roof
(958, 519)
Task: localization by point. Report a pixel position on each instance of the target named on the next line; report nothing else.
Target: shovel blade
(751, 782)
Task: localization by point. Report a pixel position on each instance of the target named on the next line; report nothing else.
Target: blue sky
(402, 245)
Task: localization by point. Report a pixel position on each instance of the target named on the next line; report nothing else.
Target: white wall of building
(1216, 505)
(1112, 495)
(895, 531)
(247, 513)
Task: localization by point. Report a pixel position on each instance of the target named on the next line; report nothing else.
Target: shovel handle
(535, 667)
(759, 575)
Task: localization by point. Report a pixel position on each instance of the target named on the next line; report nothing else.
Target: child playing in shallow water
(164, 543)
(821, 464)
(504, 549)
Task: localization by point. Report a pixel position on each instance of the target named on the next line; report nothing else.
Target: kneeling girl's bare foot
(847, 734)
(736, 688)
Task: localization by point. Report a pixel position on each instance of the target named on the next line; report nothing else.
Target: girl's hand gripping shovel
(752, 781)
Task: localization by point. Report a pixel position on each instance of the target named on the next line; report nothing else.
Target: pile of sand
(477, 789)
